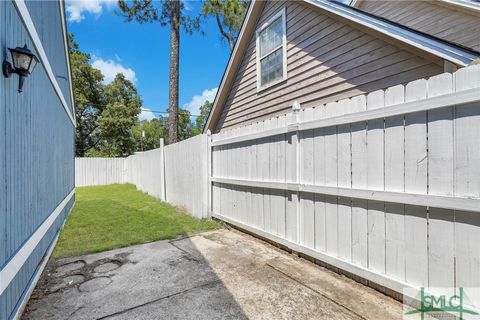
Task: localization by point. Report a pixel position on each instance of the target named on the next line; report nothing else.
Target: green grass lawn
(114, 216)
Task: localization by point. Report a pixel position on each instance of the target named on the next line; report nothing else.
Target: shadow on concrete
(158, 280)
(221, 274)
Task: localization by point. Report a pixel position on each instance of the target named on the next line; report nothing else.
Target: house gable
(327, 60)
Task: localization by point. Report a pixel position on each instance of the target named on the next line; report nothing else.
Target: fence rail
(447, 100)
(452, 203)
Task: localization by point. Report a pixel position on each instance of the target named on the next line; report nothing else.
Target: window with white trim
(272, 51)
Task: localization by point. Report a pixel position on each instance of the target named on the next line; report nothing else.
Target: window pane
(271, 37)
(271, 67)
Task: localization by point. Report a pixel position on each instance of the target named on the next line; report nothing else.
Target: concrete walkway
(215, 275)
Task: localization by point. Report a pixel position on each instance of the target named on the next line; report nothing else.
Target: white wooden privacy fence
(99, 171)
(187, 175)
(145, 171)
(385, 186)
(181, 166)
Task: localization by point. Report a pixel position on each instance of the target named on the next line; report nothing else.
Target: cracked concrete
(221, 274)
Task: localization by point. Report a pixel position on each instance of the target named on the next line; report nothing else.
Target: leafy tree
(167, 12)
(201, 120)
(229, 15)
(185, 125)
(154, 129)
(89, 98)
(105, 113)
(158, 128)
(119, 117)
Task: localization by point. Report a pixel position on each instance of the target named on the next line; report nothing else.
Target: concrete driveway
(222, 274)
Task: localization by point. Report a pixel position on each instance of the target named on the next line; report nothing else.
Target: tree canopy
(229, 15)
(89, 98)
(119, 117)
(106, 113)
(147, 11)
(154, 130)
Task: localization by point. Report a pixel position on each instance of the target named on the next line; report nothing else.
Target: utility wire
(164, 112)
(153, 111)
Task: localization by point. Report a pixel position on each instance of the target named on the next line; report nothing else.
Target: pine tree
(167, 12)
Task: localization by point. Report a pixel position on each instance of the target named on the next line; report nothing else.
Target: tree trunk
(231, 42)
(226, 35)
(174, 72)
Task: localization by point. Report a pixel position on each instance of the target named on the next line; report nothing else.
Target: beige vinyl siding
(327, 60)
(431, 17)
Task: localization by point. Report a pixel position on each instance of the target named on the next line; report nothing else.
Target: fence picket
(467, 182)
(394, 181)
(280, 198)
(291, 223)
(307, 213)
(359, 181)
(441, 237)
(375, 181)
(331, 179)
(416, 258)
(255, 192)
(344, 176)
(319, 179)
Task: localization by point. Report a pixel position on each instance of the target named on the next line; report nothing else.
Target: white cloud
(197, 101)
(110, 68)
(146, 114)
(76, 9)
(187, 5)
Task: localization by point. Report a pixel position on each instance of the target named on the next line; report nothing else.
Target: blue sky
(141, 52)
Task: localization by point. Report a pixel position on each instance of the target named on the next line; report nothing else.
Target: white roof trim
(467, 4)
(439, 48)
(61, 3)
(32, 31)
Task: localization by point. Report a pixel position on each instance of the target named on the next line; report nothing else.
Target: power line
(164, 112)
(148, 110)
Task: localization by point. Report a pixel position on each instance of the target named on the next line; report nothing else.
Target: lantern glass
(23, 59)
(33, 63)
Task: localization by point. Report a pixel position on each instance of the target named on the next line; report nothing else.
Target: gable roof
(413, 39)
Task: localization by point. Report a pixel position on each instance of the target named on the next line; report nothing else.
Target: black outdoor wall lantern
(24, 61)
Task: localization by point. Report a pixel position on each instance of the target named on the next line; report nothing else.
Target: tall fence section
(146, 171)
(385, 186)
(99, 171)
(183, 167)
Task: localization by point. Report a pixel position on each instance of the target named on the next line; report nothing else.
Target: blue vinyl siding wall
(36, 146)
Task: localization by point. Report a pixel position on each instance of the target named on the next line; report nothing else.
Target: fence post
(296, 117)
(163, 193)
(208, 173)
(293, 174)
